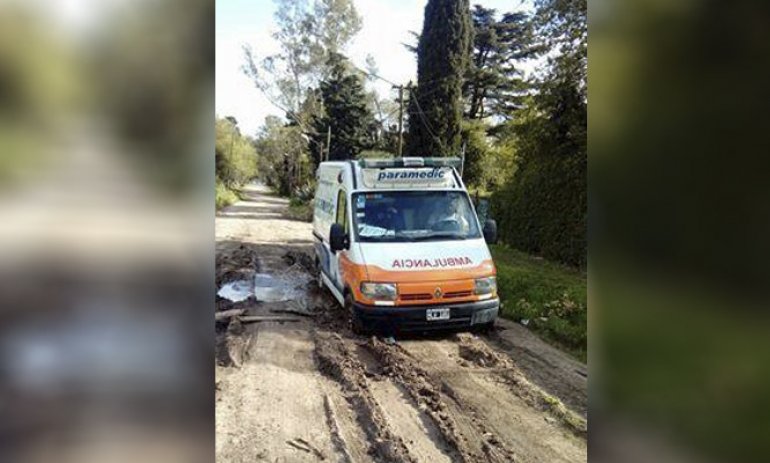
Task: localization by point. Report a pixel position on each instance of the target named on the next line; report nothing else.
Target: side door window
(342, 216)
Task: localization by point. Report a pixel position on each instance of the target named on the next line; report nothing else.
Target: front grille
(416, 297)
(455, 294)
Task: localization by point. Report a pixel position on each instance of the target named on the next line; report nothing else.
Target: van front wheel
(484, 328)
(355, 321)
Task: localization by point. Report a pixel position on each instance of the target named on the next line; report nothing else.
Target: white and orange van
(399, 245)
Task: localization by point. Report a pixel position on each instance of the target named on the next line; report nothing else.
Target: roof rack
(410, 162)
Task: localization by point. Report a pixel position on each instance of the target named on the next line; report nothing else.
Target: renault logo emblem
(437, 293)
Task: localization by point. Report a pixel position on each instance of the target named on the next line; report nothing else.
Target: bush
(300, 210)
(543, 208)
(224, 196)
(477, 154)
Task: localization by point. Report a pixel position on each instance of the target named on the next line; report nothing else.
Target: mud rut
(311, 390)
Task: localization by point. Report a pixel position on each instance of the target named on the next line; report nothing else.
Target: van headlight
(486, 285)
(380, 291)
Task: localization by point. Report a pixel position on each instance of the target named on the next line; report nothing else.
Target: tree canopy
(235, 156)
(308, 35)
(345, 113)
(494, 84)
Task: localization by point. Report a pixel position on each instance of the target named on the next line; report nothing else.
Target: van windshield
(399, 216)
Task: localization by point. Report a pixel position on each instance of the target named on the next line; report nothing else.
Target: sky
(386, 25)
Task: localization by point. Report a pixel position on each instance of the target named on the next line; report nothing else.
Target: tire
(356, 324)
(484, 328)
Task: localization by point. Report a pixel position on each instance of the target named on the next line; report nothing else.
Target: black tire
(484, 328)
(356, 325)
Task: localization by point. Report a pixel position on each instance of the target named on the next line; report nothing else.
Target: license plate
(437, 314)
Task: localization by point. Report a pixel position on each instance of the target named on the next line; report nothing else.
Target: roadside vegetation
(300, 209)
(224, 196)
(235, 161)
(547, 297)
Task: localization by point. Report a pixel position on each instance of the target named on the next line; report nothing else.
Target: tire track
(335, 360)
(505, 414)
(472, 441)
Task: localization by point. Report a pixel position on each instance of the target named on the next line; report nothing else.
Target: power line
(389, 115)
(371, 74)
(421, 113)
(401, 118)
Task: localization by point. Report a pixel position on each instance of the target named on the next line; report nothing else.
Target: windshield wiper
(404, 237)
(451, 236)
(382, 238)
(377, 238)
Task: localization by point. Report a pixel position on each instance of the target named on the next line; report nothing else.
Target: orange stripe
(415, 282)
(350, 271)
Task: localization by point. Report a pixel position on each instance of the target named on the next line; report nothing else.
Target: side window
(342, 216)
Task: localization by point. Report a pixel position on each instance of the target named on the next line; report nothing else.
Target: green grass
(224, 196)
(552, 297)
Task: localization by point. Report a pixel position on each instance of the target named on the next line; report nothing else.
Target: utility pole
(328, 141)
(401, 115)
(400, 119)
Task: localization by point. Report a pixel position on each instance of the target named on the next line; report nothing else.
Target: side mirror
(338, 239)
(490, 231)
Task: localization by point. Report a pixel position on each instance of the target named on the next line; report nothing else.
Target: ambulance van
(399, 245)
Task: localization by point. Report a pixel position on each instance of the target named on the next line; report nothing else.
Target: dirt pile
(478, 353)
(302, 258)
(238, 262)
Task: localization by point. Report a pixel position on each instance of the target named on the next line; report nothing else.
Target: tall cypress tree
(436, 105)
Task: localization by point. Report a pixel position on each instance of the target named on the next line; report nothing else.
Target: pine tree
(436, 106)
(345, 112)
(494, 85)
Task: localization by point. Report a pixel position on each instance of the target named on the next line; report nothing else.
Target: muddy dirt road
(295, 384)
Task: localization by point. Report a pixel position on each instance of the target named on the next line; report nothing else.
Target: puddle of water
(263, 279)
(270, 289)
(288, 286)
(236, 291)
